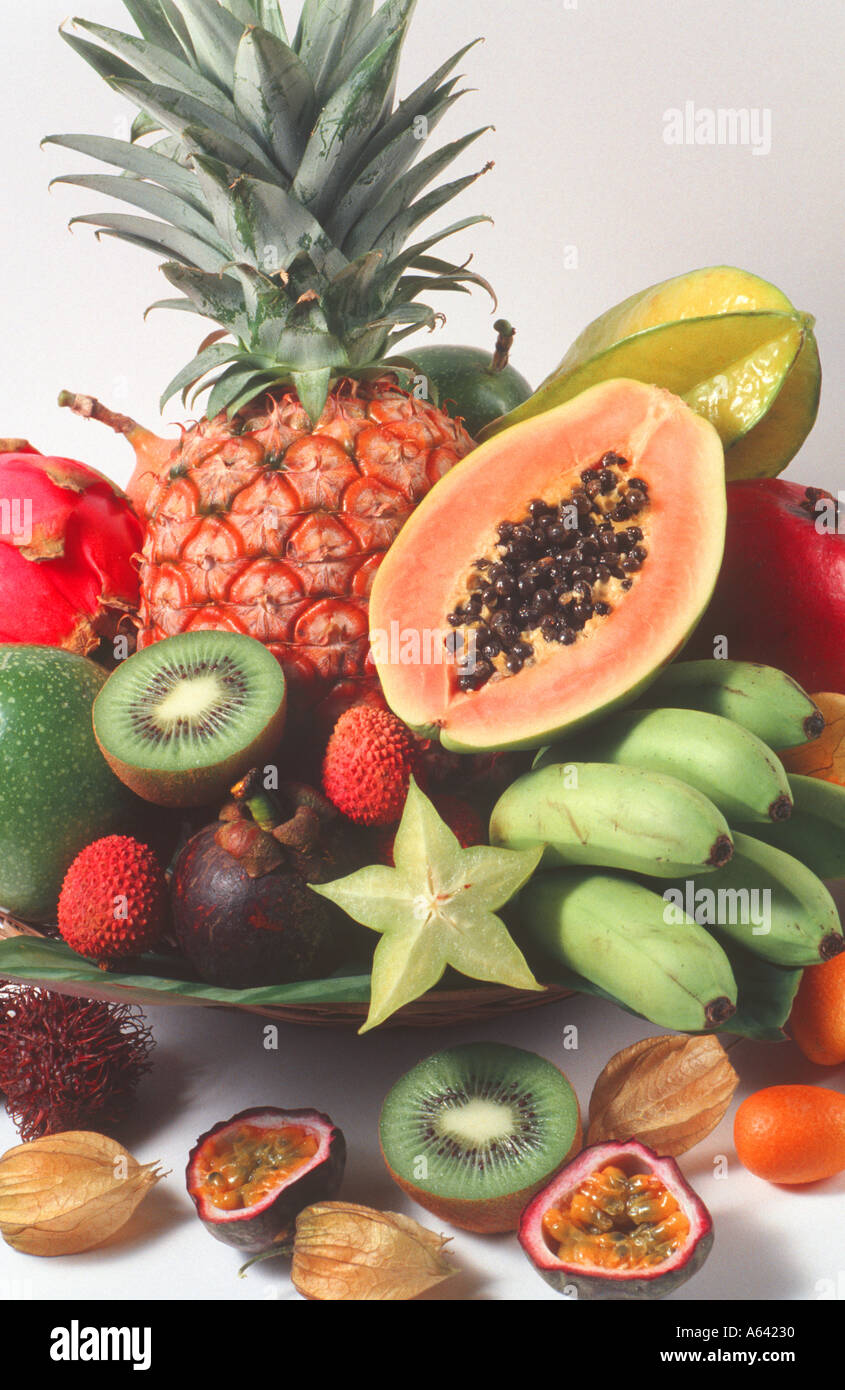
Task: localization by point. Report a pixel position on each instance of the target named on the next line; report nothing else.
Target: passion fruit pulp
(250, 1176)
(617, 1223)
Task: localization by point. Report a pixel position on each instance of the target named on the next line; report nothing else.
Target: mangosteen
(243, 912)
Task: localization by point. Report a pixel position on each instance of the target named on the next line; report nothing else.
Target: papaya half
(554, 572)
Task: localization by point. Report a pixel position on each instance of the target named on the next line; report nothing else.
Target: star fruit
(436, 908)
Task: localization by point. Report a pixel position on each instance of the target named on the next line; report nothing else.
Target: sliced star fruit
(436, 908)
(726, 341)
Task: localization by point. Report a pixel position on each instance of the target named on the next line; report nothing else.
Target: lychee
(370, 759)
(113, 901)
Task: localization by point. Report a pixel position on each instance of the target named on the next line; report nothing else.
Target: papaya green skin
(463, 384)
(57, 792)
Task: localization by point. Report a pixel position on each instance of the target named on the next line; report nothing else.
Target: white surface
(578, 95)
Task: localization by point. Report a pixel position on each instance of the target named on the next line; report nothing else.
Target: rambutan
(370, 759)
(68, 1063)
(462, 819)
(113, 901)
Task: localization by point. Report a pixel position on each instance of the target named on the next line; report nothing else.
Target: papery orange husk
(348, 1252)
(667, 1092)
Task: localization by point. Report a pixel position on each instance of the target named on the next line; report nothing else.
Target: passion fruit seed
(243, 1167)
(549, 574)
(616, 1221)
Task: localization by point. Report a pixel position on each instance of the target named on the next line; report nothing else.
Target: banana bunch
(672, 834)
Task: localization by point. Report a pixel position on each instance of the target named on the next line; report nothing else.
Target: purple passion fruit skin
(588, 1279)
(251, 1176)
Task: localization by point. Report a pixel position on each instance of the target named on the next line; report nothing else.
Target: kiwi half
(473, 1132)
(182, 720)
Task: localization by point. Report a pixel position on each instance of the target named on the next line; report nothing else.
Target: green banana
(768, 902)
(815, 832)
(615, 817)
(767, 702)
(731, 766)
(614, 932)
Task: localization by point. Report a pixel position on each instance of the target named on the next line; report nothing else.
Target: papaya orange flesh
(660, 441)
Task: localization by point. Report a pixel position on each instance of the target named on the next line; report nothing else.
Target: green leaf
(765, 995)
(215, 35)
(394, 237)
(151, 23)
(377, 177)
(342, 128)
(160, 66)
(275, 95)
(265, 225)
(392, 17)
(184, 115)
(313, 391)
(183, 305)
(230, 387)
(34, 960)
(369, 229)
(245, 11)
(422, 101)
(217, 355)
(159, 237)
(177, 27)
(136, 159)
(219, 297)
(143, 125)
(104, 64)
(153, 199)
(349, 297)
(436, 908)
(255, 385)
(270, 18)
(394, 270)
(323, 33)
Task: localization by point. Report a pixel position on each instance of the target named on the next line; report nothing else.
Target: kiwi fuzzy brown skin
(491, 1216)
(196, 786)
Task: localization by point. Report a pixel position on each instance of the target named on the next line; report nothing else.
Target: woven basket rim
(438, 1008)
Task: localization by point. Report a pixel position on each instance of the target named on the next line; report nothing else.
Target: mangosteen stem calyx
(299, 831)
(260, 803)
(504, 343)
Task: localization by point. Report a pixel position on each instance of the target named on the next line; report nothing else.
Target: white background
(577, 95)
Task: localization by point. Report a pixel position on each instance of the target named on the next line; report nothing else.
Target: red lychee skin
(370, 759)
(462, 819)
(113, 901)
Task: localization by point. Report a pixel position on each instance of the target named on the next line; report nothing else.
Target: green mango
(57, 792)
(470, 383)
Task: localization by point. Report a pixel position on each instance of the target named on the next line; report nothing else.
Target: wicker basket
(439, 1008)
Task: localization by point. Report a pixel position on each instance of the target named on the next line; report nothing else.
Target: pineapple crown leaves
(278, 179)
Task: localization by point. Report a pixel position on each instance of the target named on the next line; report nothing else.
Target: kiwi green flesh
(478, 1122)
(189, 702)
(183, 720)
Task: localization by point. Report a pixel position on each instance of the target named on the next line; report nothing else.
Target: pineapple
(281, 185)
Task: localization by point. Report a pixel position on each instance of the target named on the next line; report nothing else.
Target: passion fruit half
(252, 1175)
(617, 1223)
